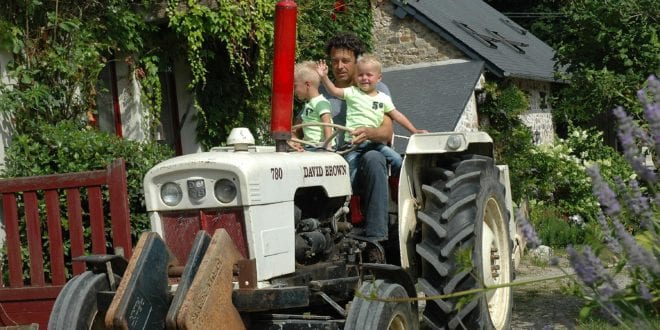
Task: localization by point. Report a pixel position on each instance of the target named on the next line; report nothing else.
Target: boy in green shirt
(366, 107)
(317, 108)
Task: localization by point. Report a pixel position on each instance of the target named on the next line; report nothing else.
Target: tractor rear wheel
(465, 245)
(375, 314)
(76, 307)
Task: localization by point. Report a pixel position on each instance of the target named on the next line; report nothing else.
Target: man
(371, 178)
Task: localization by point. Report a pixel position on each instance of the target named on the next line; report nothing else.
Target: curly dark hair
(346, 40)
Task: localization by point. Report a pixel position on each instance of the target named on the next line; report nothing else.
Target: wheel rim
(495, 261)
(397, 323)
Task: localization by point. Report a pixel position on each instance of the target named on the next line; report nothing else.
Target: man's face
(343, 66)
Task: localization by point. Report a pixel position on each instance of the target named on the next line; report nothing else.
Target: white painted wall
(187, 111)
(131, 108)
(5, 118)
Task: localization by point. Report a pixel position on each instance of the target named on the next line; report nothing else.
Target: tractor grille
(180, 229)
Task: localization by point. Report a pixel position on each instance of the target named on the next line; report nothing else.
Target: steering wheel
(338, 129)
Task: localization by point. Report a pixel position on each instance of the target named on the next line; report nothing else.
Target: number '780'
(276, 173)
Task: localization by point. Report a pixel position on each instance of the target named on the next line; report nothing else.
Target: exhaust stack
(283, 66)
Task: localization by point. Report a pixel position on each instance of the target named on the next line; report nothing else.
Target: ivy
(61, 47)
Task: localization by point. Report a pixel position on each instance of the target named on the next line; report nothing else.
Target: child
(317, 108)
(366, 107)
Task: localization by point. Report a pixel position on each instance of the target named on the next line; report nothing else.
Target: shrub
(554, 228)
(633, 249)
(68, 147)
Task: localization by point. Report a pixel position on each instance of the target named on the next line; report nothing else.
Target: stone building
(440, 31)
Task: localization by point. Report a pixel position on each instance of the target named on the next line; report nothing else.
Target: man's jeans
(371, 184)
(391, 156)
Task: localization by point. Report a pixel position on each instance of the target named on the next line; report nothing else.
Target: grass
(600, 324)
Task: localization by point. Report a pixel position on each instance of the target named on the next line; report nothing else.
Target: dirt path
(543, 303)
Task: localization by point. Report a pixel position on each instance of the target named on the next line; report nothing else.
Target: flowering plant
(628, 226)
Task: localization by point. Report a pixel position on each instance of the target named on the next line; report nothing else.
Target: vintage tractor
(256, 237)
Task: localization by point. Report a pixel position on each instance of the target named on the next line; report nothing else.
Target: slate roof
(432, 95)
(485, 34)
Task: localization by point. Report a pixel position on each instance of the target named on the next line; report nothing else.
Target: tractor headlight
(170, 194)
(225, 190)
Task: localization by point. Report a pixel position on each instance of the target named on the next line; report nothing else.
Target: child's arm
(298, 132)
(322, 70)
(327, 130)
(400, 118)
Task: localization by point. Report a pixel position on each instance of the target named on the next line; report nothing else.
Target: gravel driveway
(543, 304)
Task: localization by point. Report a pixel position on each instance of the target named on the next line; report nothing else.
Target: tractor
(258, 237)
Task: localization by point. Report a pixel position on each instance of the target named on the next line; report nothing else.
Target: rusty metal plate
(201, 244)
(141, 301)
(208, 303)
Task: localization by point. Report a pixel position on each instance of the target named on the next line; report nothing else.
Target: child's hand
(322, 68)
(295, 146)
(420, 131)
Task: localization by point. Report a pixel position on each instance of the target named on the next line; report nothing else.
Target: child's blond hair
(370, 59)
(306, 71)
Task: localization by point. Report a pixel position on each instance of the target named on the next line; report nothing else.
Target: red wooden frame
(29, 299)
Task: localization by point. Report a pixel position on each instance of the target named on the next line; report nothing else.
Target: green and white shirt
(363, 110)
(311, 113)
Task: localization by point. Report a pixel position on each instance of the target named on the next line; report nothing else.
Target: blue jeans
(391, 156)
(371, 184)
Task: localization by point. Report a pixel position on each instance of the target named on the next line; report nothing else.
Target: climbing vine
(60, 48)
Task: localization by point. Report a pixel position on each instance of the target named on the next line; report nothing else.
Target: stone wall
(539, 116)
(407, 41)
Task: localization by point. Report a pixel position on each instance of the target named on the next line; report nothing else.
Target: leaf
(585, 312)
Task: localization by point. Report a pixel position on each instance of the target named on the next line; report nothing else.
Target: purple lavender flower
(606, 197)
(652, 109)
(610, 241)
(628, 134)
(637, 256)
(588, 266)
(528, 232)
(644, 292)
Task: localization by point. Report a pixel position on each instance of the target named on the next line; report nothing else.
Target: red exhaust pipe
(283, 65)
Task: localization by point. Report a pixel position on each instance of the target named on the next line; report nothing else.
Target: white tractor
(256, 237)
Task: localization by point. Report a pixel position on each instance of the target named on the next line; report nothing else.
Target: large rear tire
(381, 315)
(76, 306)
(464, 214)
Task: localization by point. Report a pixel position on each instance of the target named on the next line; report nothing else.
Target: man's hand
(362, 134)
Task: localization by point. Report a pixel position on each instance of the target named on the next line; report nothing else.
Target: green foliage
(626, 233)
(554, 228)
(505, 102)
(66, 147)
(235, 39)
(608, 50)
(319, 20)
(59, 50)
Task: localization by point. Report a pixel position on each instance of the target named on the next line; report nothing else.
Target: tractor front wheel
(372, 311)
(76, 305)
(465, 245)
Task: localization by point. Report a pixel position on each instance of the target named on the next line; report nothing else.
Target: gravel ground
(544, 303)
(541, 304)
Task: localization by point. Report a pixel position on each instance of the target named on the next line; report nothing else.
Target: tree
(608, 49)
